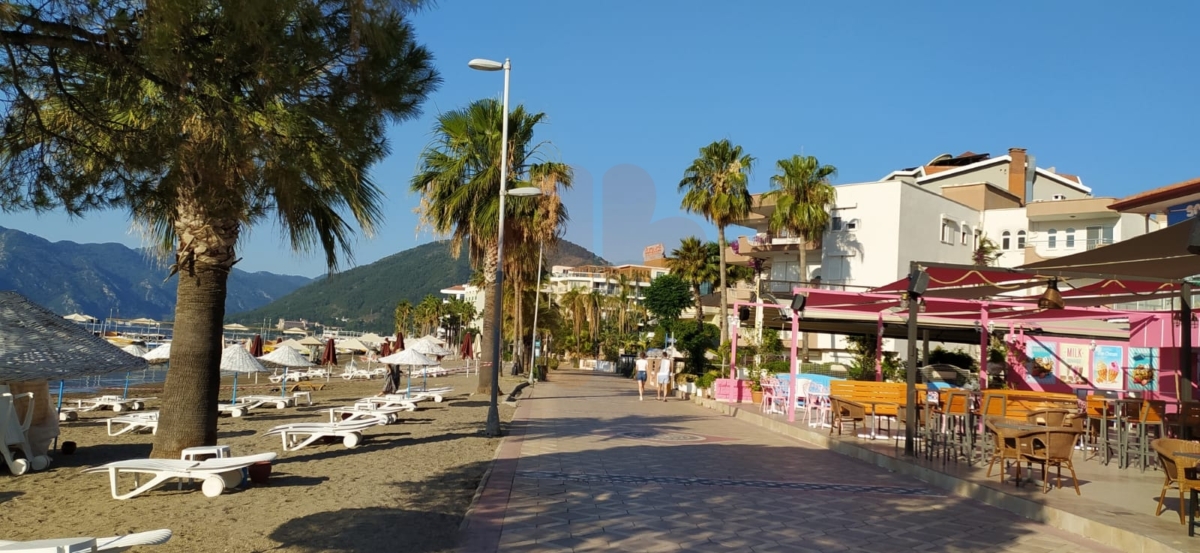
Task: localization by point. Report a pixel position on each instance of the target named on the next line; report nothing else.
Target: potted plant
(756, 386)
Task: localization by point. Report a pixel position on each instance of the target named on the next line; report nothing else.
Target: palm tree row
(715, 187)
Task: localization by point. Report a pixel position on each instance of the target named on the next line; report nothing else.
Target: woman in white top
(641, 366)
(664, 376)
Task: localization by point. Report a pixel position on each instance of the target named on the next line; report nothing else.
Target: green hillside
(364, 298)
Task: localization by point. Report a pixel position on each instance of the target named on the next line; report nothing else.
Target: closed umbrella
(408, 358)
(256, 346)
(285, 357)
(236, 359)
(385, 349)
(329, 356)
(465, 352)
(399, 341)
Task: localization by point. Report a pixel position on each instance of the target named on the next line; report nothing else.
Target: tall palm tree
(201, 120)
(572, 301)
(459, 180)
(403, 315)
(691, 262)
(803, 195)
(715, 186)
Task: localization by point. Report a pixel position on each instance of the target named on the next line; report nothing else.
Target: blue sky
(632, 90)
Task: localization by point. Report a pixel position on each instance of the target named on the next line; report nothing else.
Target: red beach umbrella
(399, 342)
(385, 349)
(330, 355)
(466, 352)
(256, 346)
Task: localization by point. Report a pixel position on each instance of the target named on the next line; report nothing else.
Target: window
(978, 235)
(1052, 239)
(835, 223)
(852, 224)
(948, 231)
(1058, 197)
(966, 231)
(1020, 239)
(1070, 238)
(1006, 240)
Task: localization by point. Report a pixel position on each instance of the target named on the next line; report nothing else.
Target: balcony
(766, 242)
(1093, 243)
(1083, 208)
(781, 288)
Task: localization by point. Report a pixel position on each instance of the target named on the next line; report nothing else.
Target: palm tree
(802, 194)
(403, 315)
(691, 262)
(201, 120)
(715, 185)
(459, 180)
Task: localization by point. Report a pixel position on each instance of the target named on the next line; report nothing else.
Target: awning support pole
(910, 413)
(791, 408)
(1186, 358)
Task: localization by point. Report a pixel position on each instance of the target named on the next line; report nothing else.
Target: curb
(1063, 520)
(483, 481)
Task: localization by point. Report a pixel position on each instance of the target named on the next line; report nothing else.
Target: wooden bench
(854, 400)
(1018, 404)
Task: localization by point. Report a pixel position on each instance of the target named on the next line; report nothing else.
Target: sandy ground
(405, 489)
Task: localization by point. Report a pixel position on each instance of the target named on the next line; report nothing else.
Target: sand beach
(405, 489)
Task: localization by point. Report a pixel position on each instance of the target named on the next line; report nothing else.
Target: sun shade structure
(135, 350)
(160, 354)
(285, 357)
(1162, 254)
(310, 341)
(36, 344)
(236, 327)
(237, 360)
(79, 318)
(410, 358)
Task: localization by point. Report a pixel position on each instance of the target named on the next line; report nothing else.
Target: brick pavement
(589, 467)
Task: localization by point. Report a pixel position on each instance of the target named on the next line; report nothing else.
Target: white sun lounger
(278, 401)
(134, 422)
(393, 401)
(365, 410)
(350, 433)
(14, 435)
(112, 544)
(438, 394)
(215, 474)
(236, 409)
(116, 403)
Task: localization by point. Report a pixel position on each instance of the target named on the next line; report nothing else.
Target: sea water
(93, 384)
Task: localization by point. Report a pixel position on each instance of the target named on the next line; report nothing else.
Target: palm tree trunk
(699, 308)
(487, 339)
(724, 292)
(518, 329)
(204, 259)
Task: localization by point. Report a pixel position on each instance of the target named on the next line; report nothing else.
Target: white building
(939, 212)
(473, 295)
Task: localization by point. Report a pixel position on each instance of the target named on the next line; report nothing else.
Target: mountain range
(365, 297)
(111, 279)
(104, 279)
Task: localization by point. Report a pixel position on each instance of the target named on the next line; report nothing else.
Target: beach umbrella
(409, 358)
(256, 346)
(399, 341)
(136, 351)
(236, 327)
(79, 318)
(464, 351)
(385, 349)
(425, 346)
(160, 354)
(287, 358)
(237, 360)
(329, 356)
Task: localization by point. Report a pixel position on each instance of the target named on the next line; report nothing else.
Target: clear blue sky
(1104, 90)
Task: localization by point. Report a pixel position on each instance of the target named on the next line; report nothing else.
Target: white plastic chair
(817, 399)
(14, 434)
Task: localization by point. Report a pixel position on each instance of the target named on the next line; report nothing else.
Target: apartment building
(940, 211)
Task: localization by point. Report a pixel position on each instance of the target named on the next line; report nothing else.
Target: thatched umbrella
(409, 358)
(160, 354)
(37, 346)
(237, 360)
(285, 357)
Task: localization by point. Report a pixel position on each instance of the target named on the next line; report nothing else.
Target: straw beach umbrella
(237, 360)
(160, 354)
(287, 358)
(409, 358)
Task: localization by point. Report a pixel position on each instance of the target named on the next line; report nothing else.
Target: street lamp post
(493, 417)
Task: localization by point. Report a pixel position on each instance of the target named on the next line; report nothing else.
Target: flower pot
(260, 472)
(756, 395)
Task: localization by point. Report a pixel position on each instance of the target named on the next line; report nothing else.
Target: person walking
(664, 377)
(642, 365)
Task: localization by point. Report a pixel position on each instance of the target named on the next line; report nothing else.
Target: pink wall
(1155, 331)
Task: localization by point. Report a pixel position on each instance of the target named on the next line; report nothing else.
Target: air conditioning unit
(1057, 197)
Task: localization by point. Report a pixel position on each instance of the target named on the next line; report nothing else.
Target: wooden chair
(843, 411)
(1187, 422)
(1151, 414)
(1176, 471)
(1052, 447)
(1005, 449)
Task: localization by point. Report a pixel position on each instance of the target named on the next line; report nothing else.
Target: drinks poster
(1107, 372)
(1143, 369)
(1041, 361)
(1074, 366)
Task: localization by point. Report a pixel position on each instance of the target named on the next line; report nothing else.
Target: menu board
(1107, 371)
(1143, 370)
(1074, 365)
(1041, 362)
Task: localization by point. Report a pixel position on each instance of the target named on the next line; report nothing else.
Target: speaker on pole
(798, 302)
(744, 313)
(918, 281)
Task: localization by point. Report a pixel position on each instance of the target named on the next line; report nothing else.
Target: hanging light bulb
(1051, 298)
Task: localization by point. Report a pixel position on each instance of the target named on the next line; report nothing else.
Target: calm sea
(92, 384)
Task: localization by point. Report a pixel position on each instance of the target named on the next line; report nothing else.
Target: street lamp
(493, 416)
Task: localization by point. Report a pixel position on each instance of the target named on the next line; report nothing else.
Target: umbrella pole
(125, 394)
(233, 399)
(61, 385)
(408, 392)
(283, 384)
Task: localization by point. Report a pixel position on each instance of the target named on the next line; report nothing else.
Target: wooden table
(874, 407)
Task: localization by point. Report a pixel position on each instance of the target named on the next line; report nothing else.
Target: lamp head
(481, 64)
(1051, 298)
(524, 191)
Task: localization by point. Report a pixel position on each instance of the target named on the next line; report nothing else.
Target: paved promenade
(589, 467)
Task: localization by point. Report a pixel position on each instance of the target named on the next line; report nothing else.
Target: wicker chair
(1005, 449)
(1176, 471)
(1053, 447)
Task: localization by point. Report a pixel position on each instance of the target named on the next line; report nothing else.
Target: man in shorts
(664, 377)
